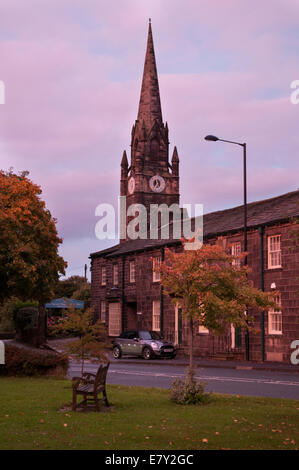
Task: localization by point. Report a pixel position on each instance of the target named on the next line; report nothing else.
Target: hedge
(30, 361)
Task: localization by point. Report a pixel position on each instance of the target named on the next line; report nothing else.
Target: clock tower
(150, 178)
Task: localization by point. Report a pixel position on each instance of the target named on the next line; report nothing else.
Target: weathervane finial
(150, 20)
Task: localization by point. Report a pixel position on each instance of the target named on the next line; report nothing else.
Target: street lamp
(213, 138)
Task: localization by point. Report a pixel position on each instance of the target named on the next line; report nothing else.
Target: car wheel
(147, 353)
(116, 352)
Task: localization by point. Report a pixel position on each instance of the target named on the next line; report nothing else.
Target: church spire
(124, 161)
(149, 104)
(150, 179)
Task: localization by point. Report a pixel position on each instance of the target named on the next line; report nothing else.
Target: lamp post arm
(232, 142)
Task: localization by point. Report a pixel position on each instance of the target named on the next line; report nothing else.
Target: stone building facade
(126, 291)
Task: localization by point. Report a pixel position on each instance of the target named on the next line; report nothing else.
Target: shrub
(29, 361)
(189, 391)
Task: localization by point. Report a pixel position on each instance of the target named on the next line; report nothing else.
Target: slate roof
(266, 212)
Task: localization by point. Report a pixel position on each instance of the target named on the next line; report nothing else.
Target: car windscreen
(149, 335)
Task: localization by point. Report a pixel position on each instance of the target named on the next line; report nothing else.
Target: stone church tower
(150, 179)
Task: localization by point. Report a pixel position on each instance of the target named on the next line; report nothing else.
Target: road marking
(208, 377)
(203, 377)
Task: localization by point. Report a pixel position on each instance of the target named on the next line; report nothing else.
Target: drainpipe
(123, 295)
(262, 287)
(162, 300)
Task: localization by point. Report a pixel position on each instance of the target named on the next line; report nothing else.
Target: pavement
(217, 364)
(183, 360)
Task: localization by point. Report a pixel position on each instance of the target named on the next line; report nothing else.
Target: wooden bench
(90, 386)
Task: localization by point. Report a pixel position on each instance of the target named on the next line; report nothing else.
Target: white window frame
(115, 274)
(275, 318)
(156, 264)
(103, 311)
(272, 253)
(156, 317)
(114, 324)
(232, 336)
(132, 269)
(236, 248)
(104, 276)
(203, 330)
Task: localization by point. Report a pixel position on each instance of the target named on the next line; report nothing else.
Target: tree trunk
(41, 333)
(82, 362)
(191, 343)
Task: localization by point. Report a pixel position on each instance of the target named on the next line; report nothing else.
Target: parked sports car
(147, 344)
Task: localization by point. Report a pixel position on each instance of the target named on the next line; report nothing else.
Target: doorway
(132, 317)
(236, 337)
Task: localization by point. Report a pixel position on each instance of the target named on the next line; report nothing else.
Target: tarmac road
(264, 383)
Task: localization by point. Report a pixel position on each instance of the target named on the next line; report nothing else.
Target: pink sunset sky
(72, 71)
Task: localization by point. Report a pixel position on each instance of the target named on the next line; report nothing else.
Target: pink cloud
(73, 72)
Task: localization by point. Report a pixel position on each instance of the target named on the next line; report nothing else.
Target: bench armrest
(88, 374)
(76, 381)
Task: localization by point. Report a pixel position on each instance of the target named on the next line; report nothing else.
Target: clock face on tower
(157, 183)
(131, 185)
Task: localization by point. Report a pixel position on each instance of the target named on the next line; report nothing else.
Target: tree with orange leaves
(88, 338)
(29, 262)
(210, 289)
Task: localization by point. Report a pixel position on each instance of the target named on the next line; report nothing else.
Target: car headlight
(154, 345)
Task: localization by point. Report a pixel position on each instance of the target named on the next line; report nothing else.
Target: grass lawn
(142, 418)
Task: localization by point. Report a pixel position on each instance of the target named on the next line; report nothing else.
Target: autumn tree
(67, 287)
(29, 262)
(89, 337)
(83, 293)
(211, 289)
(74, 287)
